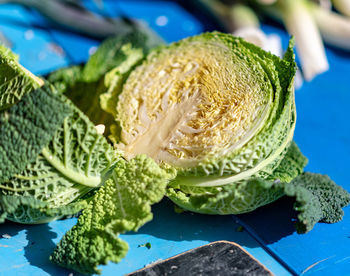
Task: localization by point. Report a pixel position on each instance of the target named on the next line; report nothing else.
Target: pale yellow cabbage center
(190, 103)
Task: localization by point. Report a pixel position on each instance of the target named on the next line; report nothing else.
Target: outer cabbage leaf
(12, 204)
(33, 211)
(221, 112)
(27, 127)
(318, 198)
(242, 196)
(84, 85)
(15, 81)
(111, 53)
(122, 204)
(290, 167)
(65, 78)
(83, 94)
(75, 161)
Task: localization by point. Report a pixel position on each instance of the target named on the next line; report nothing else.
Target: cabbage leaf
(75, 161)
(122, 204)
(27, 127)
(15, 80)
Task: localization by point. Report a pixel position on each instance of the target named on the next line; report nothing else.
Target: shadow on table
(276, 220)
(272, 222)
(339, 51)
(39, 247)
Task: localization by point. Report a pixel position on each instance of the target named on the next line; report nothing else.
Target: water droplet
(162, 20)
(29, 34)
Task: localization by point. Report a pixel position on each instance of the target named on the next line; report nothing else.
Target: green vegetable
(74, 16)
(85, 84)
(244, 195)
(15, 80)
(215, 108)
(299, 22)
(233, 16)
(318, 198)
(114, 51)
(122, 204)
(75, 161)
(220, 112)
(28, 127)
(334, 27)
(51, 155)
(207, 121)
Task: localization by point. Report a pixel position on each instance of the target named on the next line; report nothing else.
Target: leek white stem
(342, 6)
(253, 35)
(270, 43)
(300, 23)
(233, 16)
(335, 28)
(241, 16)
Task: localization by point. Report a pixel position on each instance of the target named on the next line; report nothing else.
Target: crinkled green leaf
(241, 196)
(27, 209)
(85, 95)
(75, 161)
(290, 167)
(112, 53)
(65, 78)
(27, 127)
(318, 198)
(77, 148)
(122, 204)
(50, 153)
(15, 81)
(83, 84)
(115, 78)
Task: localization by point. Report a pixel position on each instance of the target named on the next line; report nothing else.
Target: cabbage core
(192, 101)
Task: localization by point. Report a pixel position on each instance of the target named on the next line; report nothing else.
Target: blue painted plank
(13, 14)
(27, 247)
(163, 17)
(77, 47)
(166, 18)
(38, 52)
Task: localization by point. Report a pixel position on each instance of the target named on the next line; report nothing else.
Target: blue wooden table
(322, 133)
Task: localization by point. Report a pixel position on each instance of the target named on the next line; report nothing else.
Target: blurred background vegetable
(312, 22)
(73, 15)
